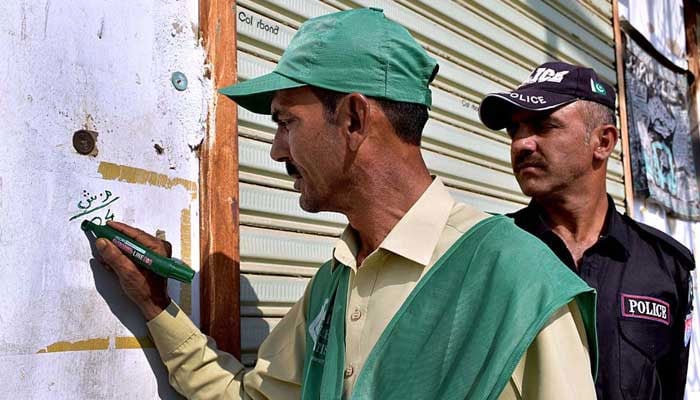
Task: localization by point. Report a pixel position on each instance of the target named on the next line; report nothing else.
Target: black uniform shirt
(642, 278)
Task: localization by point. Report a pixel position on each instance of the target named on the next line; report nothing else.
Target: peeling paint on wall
(120, 342)
(143, 342)
(81, 345)
(115, 172)
(186, 254)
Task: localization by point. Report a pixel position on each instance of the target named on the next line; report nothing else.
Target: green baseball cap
(348, 51)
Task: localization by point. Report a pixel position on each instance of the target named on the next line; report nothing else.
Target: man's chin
(530, 189)
(307, 205)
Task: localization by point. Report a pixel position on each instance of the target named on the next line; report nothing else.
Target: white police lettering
(559, 76)
(645, 307)
(648, 308)
(529, 99)
(545, 75)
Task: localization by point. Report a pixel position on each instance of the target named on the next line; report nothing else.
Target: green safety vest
(461, 331)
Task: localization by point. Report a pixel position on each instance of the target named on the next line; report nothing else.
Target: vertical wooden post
(219, 217)
(622, 100)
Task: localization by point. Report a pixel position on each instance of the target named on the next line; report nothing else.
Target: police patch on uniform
(645, 307)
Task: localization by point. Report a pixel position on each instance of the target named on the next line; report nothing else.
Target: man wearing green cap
(423, 298)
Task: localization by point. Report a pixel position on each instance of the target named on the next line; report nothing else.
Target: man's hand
(146, 289)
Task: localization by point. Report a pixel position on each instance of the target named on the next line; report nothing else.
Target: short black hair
(407, 119)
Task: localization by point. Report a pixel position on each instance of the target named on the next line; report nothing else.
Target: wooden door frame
(622, 104)
(219, 220)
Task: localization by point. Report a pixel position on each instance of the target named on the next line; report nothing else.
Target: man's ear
(606, 138)
(353, 117)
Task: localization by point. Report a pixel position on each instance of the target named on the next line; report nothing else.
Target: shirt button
(356, 315)
(349, 370)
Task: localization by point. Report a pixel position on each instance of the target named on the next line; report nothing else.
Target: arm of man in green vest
(196, 368)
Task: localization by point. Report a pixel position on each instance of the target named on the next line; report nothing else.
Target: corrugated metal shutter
(481, 45)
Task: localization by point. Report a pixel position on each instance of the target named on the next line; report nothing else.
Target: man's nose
(523, 140)
(280, 148)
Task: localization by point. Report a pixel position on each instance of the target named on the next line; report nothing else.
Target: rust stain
(125, 173)
(120, 342)
(186, 256)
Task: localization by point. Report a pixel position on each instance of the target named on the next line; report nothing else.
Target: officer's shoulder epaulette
(670, 244)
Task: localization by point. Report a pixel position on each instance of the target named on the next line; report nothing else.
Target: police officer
(561, 122)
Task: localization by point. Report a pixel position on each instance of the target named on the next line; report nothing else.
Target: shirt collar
(532, 218)
(613, 228)
(415, 235)
(345, 250)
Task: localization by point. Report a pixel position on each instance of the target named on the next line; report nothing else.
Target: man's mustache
(524, 160)
(291, 169)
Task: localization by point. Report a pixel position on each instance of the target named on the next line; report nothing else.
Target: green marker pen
(138, 253)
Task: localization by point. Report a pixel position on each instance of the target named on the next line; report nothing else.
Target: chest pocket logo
(645, 307)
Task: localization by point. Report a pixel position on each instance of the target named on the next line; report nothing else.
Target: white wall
(67, 331)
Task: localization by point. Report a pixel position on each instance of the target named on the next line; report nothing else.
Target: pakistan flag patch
(596, 87)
